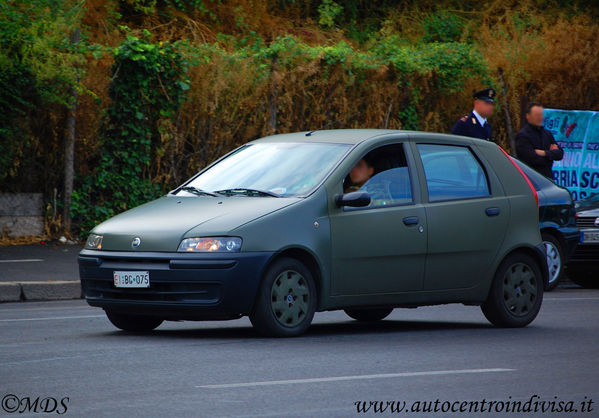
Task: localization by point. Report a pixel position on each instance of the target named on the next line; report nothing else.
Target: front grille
(586, 222)
(172, 291)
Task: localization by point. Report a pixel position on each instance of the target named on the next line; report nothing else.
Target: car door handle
(410, 220)
(492, 211)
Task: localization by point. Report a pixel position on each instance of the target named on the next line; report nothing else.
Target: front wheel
(134, 323)
(516, 292)
(286, 300)
(555, 263)
(368, 314)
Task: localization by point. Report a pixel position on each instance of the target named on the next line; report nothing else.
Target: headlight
(211, 245)
(94, 242)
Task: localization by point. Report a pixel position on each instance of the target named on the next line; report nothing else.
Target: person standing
(535, 145)
(475, 125)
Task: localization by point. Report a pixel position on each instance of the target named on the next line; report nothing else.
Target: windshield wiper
(247, 192)
(198, 192)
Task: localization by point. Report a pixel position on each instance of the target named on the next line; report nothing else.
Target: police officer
(475, 125)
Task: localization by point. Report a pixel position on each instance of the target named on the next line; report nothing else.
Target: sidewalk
(39, 272)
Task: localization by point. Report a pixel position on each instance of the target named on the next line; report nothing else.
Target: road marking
(23, 260)
(56, 308)
(570, 299)
(12, 363)
(357, 377)
(51, 318)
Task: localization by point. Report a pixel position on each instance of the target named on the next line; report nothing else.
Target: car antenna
(310, 133)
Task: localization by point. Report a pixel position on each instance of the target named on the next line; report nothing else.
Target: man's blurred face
(484, 108)
(361, 172)
(535, 116)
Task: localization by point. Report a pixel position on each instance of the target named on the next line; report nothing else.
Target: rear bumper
(542, 257)
(182, 285)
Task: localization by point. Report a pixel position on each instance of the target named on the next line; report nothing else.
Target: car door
(381, 248)
(467, 216)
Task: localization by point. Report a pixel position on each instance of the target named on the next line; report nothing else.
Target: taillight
(534, 191)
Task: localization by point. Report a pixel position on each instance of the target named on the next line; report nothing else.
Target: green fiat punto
(359, 220)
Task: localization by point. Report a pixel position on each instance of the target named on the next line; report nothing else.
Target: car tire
(286, 300)
(516, 292)
(588, 279)
(368, 314)
(133, 323)
(555, 260)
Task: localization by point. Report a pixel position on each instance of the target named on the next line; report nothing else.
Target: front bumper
(571, 240)
(585, 258)
(188, 286)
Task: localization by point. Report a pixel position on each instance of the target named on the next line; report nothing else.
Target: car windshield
(269, 169)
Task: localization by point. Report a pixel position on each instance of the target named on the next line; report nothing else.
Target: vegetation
(163, 87)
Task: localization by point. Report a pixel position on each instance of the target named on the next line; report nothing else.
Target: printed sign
(577, 132)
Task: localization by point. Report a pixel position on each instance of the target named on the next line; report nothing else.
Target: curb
(41, 290)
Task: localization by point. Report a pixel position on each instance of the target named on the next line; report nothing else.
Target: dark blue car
(557, 220)
(583, 268)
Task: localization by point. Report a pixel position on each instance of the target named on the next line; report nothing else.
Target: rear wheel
(516, 292)
(286, 300)
(368, 314)
(555, 263)
(135, 323)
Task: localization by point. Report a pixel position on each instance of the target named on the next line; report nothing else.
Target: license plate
(131, 278)
(590, 236)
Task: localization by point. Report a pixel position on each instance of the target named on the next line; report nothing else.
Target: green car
(359, 220)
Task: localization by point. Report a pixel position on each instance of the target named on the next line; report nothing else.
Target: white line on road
(24, 260)
(13, 309)
(544, 299)
(357, 377)
(51, 318)
(12, 363)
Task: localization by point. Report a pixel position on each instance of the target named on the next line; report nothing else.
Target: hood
(588, 206)
(162, 223)
(588, 212)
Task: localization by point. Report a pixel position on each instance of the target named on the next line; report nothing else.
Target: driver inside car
(359, 175)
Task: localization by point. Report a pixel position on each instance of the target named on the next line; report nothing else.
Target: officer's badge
(474, 121)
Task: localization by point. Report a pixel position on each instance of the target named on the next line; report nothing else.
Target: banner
(577, 132)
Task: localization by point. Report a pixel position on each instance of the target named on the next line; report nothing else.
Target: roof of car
(355, 136)
(338, 136)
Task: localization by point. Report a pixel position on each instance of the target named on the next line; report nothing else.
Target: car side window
(390, 182)
(452, 172)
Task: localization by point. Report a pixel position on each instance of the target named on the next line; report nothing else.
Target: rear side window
(452, 172)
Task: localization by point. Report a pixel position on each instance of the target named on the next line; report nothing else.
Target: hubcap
(519, 289)
(554, 261)
(290, 297)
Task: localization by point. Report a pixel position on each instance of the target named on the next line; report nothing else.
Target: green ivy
(39, 66)
(147, 87)
(328, 13)
(442, 26)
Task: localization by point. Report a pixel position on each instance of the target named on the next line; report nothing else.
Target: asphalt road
(209, 369)
(39, 262)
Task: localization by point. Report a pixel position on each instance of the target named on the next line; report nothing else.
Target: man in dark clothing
(475, 125)
(535, 145)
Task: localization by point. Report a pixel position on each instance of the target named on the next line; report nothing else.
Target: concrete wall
(21, 214)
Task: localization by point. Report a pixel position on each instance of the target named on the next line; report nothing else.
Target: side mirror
(353, 199)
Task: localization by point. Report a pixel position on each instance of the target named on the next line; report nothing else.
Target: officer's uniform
(470, 126)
